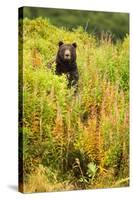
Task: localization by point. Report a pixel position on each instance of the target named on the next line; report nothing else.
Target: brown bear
(66, 63)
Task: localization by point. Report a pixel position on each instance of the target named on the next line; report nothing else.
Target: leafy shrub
(92, 126)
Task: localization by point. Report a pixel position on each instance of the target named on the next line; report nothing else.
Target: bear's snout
(67, 54)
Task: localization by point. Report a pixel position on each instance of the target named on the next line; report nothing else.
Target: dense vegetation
(92, 22)
(60, 129)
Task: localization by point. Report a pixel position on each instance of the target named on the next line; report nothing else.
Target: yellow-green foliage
(93, 125)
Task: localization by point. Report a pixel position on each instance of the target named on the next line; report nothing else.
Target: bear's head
(67, 52)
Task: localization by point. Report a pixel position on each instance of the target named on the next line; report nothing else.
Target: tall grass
(58, 127)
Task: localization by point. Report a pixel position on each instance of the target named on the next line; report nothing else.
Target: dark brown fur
(67, 66)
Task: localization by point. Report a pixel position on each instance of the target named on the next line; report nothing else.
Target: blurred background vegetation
(96, 23)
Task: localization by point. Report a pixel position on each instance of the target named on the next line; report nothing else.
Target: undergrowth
(59, 128)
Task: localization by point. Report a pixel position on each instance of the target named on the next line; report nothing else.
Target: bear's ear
(60, 43)
(74, 44)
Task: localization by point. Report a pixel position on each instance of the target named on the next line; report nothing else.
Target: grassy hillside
(93, 22)
(60, 129)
